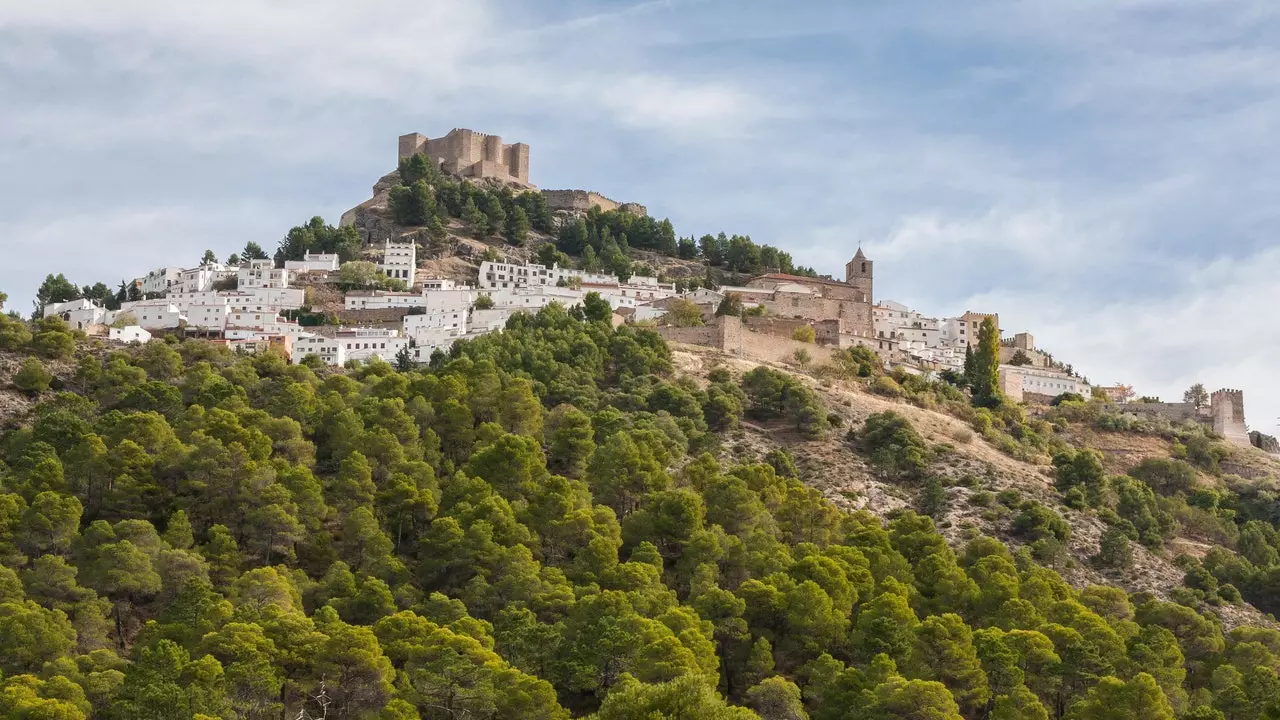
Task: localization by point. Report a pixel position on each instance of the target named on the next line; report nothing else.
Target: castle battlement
(1226, 407)
(469, 153)
(584, 200)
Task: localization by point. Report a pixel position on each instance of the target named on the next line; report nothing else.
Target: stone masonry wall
(471, 154)
(854, 316)
(705, 335)
(1173, 412)
(1227, 409)
(730, 336)
(584, 200)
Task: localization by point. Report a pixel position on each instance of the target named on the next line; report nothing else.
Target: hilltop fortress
(470, 154)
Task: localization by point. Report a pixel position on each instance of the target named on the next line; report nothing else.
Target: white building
(436, 284)
(328, 349)
(62, 308)
(313, 262)
(200, 278)
(445, 323)
(129, 334)
(1018, 379)
(399, 260)
(383, 300)
(151, 314)
(268, 297)
(158, 281)
(210, 317)
(79, 314)
(507, 276)
(257, 274)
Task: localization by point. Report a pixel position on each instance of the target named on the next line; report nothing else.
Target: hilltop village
(388, 303)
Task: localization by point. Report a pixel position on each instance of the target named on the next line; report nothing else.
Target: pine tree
(404, 359)
(517, 226)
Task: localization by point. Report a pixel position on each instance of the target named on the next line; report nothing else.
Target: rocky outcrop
(1266, 443)
(373, 217)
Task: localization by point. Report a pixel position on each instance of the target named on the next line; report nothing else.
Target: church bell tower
(858, 272)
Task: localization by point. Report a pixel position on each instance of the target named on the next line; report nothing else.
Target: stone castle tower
(858, 272)
(471, 154)
(1226, 407)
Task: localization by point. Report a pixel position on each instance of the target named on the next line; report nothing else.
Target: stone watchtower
(858, 272)
(1226, 407)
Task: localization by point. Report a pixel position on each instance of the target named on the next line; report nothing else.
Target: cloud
(125, 242)
(1211, 324)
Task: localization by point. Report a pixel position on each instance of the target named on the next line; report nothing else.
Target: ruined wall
(853, 316)
(1173, 412)
(705, 335)
(731, 336)
(826, 332)
(1227, 409)
(584, 200)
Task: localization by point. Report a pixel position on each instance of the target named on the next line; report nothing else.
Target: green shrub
(896, 449)
(32, 378)
(887, 386)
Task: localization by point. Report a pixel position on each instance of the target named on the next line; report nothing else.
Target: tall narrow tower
(858, 272)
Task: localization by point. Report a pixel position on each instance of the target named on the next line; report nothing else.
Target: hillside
(974, 466)
(458, 221)
(566, 519)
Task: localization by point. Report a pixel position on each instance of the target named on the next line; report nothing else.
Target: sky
(1099, 172)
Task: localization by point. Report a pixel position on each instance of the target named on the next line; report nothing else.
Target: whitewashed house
(129, 334)
(257, 274)
(313, 262)
(399, 260)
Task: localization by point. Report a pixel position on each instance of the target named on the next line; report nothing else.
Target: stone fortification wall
(853, 316)
(1173, 412)
(1011, 385)
(1038, 359)
(1227, 410)
(471, 154)
(731, 336)
(584, 200)
(826, 332)
(705, 335)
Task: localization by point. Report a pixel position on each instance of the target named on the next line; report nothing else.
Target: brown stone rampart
(584, 200)
(1173, 412)
(471, 154)
(731, 336)
(705, 335)
(1227, 409)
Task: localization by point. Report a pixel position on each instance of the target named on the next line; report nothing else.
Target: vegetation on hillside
(537, 526)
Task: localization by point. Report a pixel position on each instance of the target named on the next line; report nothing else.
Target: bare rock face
(373, 216)
(1266, 443)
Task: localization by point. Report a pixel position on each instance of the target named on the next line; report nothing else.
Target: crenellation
(469, 153)
(584, 200)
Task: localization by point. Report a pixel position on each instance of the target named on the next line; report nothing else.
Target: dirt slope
(832, 466)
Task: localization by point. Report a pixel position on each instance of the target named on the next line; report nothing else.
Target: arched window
(864, 267)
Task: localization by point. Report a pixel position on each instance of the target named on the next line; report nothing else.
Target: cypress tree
(985, 378)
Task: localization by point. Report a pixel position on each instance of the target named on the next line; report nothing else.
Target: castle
(471, 154)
